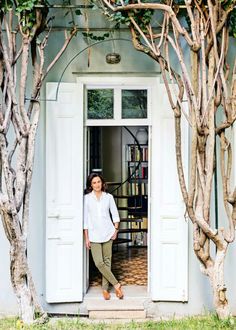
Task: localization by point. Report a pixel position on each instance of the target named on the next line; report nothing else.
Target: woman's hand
(88, 245)
(87, 241)
(114, 236)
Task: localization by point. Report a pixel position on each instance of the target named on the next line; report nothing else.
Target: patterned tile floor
(129, 265)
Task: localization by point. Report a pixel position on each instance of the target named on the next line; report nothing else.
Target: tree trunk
(216, 275)
(20, 280)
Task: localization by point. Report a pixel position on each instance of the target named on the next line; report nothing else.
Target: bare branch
(59, 54)
(29, 165)
(225, 175)
(157, 6)
(193, 22)
(143, 36)
(180, 169)
(209, 167)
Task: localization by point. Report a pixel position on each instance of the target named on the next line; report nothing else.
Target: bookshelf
(137, 190)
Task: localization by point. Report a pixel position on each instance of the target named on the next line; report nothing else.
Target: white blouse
(97, 217)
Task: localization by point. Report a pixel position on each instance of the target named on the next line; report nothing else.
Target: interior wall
(127, 137)
(111, 153)
(114, 141)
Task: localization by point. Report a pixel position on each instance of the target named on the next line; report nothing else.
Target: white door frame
(119, 83)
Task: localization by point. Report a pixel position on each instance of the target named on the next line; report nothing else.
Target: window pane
(100, 103)
(134, 103)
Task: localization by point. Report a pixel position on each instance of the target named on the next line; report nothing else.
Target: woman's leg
(107, 256)
(97, 254)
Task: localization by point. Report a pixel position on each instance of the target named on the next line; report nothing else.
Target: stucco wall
(132, 62)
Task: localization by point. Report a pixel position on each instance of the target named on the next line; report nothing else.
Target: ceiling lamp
(113, 58)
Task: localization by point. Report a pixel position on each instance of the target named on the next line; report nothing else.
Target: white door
(64, 193)
(169, 229)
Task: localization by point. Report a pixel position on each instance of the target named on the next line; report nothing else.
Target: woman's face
(96, 184)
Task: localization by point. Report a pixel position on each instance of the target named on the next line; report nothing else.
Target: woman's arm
(86, 236)
(114, 236)
(87, 241)
(114, 212)
(115, 216)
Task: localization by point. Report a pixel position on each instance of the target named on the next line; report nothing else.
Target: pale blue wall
(131, 62)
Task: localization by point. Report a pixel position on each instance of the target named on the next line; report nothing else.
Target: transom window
(116, 104)
(100, 104)
(134, 103)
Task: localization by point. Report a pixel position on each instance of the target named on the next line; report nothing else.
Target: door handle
(54, 215)
(58, 238)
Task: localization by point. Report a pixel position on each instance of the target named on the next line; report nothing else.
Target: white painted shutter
(64, 194)
(169, 229)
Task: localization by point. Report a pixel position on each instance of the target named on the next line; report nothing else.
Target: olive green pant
(102, 255)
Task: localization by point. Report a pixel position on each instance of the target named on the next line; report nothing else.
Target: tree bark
(216, 276)
(20, 280)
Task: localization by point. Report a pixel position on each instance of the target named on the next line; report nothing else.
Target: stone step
(131, 307)
(127, 308)
(113, 314)
(115, 304)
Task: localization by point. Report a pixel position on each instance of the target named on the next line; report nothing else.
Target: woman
(100, 231)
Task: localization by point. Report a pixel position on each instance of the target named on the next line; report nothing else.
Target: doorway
(65, 167)
(120, 154)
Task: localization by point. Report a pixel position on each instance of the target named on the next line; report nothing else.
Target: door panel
(169, 229)
(64, 195)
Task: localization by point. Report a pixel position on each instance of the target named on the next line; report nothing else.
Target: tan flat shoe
(106, 295)
(119, 293)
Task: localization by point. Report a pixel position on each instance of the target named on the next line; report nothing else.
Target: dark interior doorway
(119, 155)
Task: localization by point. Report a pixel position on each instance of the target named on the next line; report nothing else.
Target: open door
(169, 228)
(64, 193)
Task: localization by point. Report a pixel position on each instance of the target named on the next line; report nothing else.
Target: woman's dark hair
(89, 182)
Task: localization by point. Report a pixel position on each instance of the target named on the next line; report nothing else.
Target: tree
(24, 33)
(210, 89)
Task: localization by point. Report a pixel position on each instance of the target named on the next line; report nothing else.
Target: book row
(137, 153)
(137, 188)
(138, 173)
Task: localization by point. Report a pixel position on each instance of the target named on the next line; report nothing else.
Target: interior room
(120, 154)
